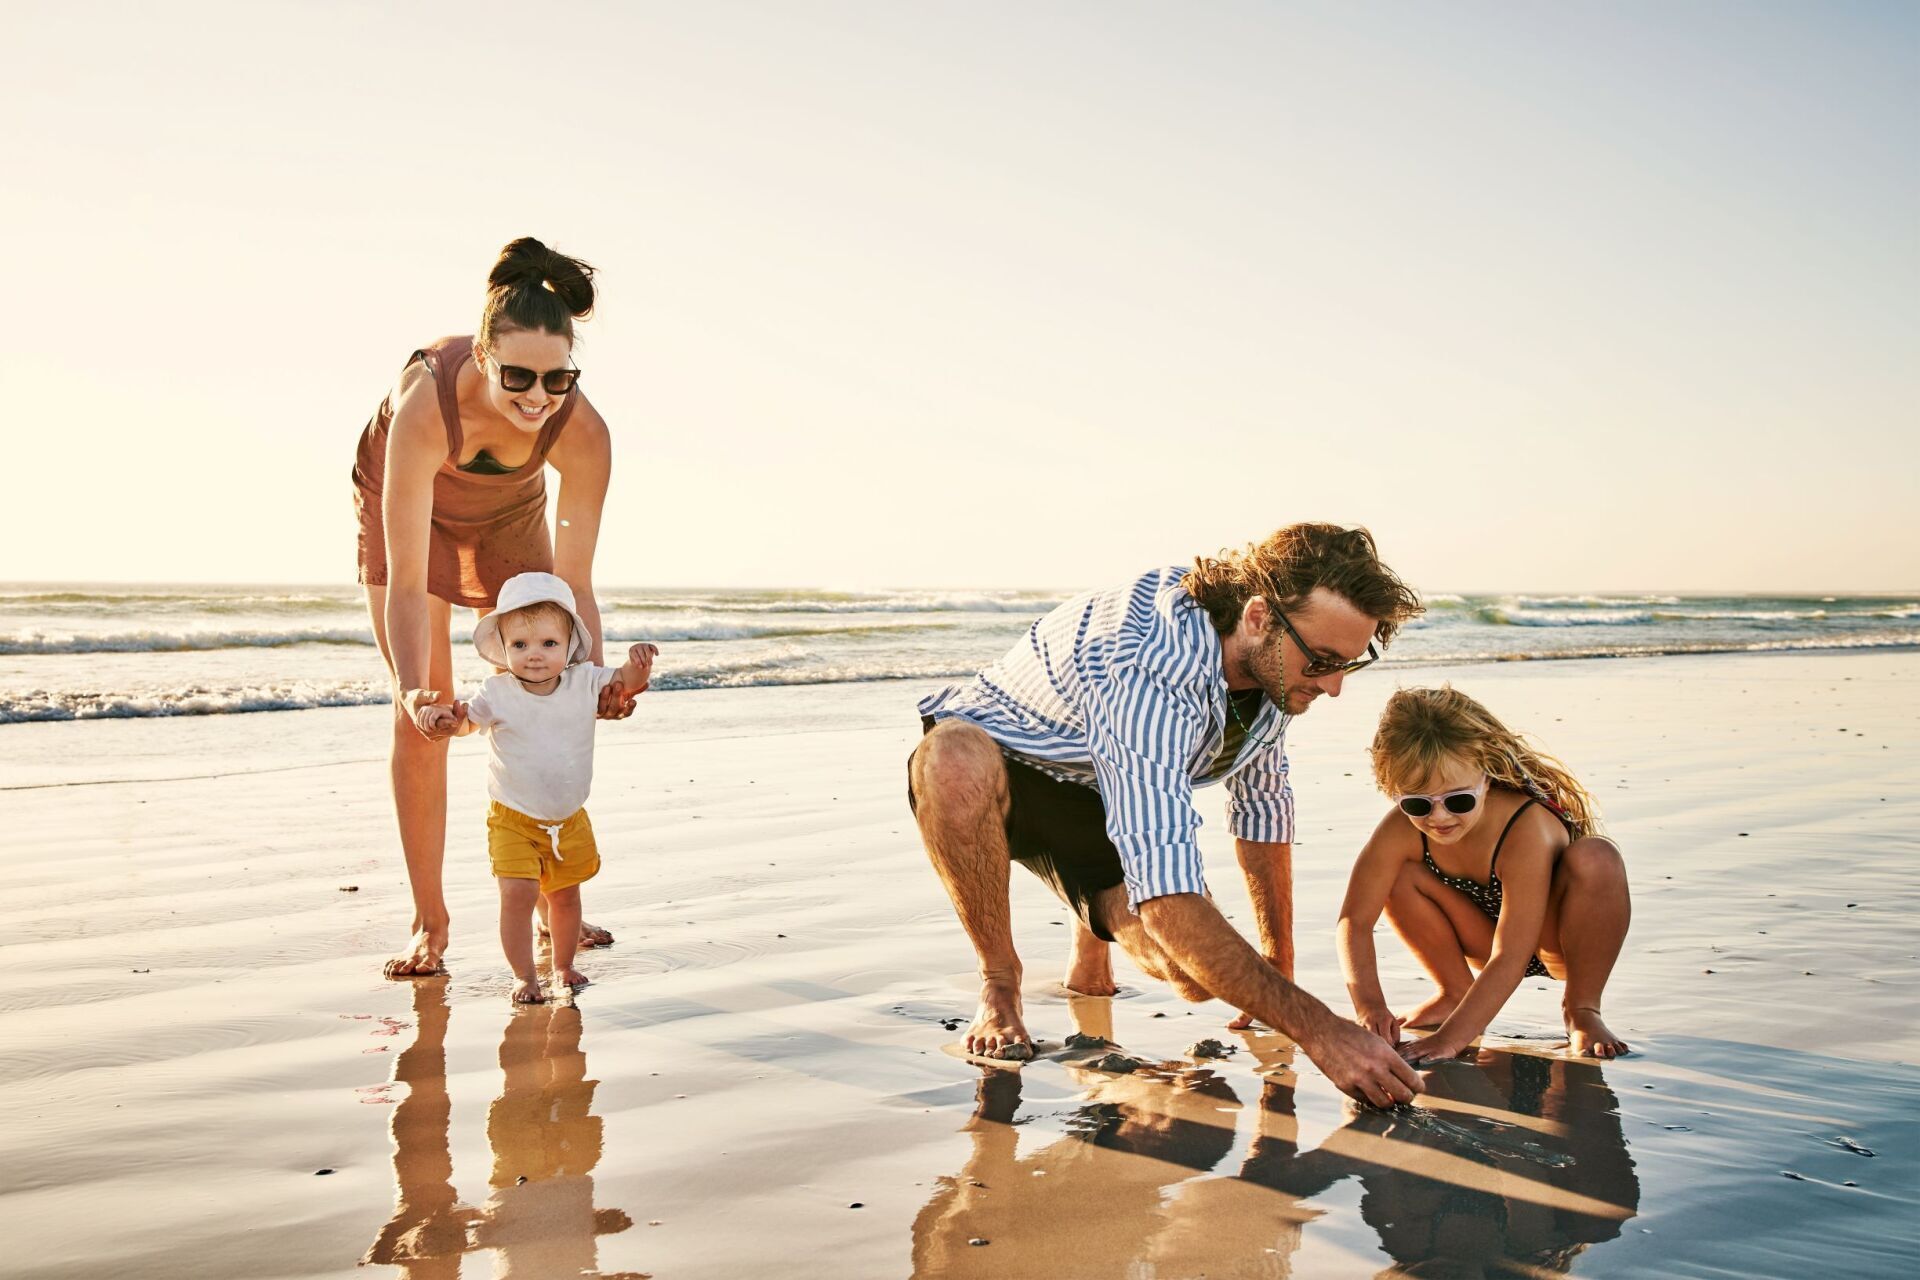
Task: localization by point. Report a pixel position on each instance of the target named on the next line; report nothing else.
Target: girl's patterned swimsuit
(1488, 896)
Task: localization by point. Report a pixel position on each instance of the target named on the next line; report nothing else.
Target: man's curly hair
(1290, 563)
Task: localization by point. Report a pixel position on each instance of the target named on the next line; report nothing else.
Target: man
(1077, 753)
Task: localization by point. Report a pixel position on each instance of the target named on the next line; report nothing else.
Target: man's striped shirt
(1124, 690)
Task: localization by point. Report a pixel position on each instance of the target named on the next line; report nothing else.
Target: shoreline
(206, 1028)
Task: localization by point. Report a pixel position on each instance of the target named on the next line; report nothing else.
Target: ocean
(83, 651)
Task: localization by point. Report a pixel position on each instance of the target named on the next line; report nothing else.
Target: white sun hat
(520, 591)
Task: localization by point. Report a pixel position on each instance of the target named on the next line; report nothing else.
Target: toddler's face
(536, 647)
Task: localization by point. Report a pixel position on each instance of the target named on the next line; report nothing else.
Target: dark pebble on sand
(1117, 1063)
(856, 1205)
(143, 971)
(1706, 971)
(1079, 1041)
(1852, 905)
(1848, 1144)
(1211, 1049)
(1849, 1184)
(1742, 833)
(321, 1173)
(349, 888)
(1159, 1015)
(977, 1241)
(1797, 1177)
(520, 1181)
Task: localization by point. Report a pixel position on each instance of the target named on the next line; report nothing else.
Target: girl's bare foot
(997, 1030)
(422, 957)
(1588, 1037)
(571, 978)
(1431, 1014)
(528, 991)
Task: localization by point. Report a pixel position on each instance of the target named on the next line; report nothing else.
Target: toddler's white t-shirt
(540, 748)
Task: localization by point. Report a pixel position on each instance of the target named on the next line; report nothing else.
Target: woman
(450, 486)
(1490, 859)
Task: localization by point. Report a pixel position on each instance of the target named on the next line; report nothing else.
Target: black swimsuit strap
(1493, 866)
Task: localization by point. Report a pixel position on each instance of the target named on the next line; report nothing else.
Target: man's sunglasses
(558, 382)
(1464, 800)
(1320, 665)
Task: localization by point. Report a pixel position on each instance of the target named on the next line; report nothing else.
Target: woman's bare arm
(584, 458)
(416, 448)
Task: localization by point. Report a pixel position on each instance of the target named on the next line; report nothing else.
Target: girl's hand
(1434, 1048)
(1381, 1022)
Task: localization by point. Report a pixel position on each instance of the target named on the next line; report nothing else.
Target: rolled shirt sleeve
(1260, 806)
(1142, 729)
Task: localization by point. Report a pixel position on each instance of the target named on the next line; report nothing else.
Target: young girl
(1490, 859)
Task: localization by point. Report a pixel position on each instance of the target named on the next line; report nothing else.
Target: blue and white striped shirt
(1125, 690)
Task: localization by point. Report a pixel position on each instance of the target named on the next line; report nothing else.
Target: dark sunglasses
(1317, 665)
(1464, 800)
(558, 382)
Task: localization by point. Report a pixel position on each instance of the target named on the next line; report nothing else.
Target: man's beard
(1268, 666)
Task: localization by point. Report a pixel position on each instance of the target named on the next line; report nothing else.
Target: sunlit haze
(1596, 297)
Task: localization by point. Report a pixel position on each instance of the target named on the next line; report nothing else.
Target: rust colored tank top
(486, 528)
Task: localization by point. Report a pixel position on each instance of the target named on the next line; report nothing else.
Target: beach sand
(205, 1075)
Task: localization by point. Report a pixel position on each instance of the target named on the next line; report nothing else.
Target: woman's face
(534, 349)
(1440, 826)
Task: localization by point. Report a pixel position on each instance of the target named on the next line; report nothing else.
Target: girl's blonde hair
(1420, 728)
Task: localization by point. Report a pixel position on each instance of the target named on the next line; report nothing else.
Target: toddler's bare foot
(591, 935)
(1588, 1037)
(528, 991)
(571, 978)
(1431, 1014)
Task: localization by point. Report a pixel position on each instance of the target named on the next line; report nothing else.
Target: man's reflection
(1512, 1162)
(545, 1140)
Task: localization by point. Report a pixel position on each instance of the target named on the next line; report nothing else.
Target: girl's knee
(1594, 861)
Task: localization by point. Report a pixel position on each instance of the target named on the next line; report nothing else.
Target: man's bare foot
(1431, 1014)
(1588, 1037)
(528, 991)
(1090, 968)
(591, 935)
(997, 1030)
(571, 978)
(422, 958)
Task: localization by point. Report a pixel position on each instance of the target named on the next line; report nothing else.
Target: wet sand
(196, 1028)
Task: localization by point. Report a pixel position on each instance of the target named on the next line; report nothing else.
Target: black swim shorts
(1058, 831)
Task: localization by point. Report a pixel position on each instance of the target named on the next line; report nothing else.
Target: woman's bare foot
(571, 978)
(1432, 1013)
(422, 958)
(1588, 1037)
(528, 991)
(997, 1030)
(1090, 968)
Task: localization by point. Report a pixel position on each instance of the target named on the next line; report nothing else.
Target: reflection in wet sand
(540, 1215)
(1512, 1165)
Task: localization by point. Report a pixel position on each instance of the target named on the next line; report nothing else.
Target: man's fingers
(1407, 1076)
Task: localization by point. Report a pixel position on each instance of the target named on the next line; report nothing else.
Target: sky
(1591, 296)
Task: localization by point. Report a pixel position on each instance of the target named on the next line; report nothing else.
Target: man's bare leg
(960, 794)
(1090, 969)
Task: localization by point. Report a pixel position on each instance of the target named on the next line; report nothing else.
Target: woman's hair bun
(534, 287)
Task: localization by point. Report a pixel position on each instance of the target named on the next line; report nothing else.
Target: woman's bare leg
(418, 771)
(1586, 925)
(1444, 931)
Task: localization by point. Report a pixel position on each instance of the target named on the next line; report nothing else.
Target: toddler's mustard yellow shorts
(558, 855)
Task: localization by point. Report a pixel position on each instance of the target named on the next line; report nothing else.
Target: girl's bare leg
(1583, 943)
(516, 937)
(1444, 931)
(418, 772)
(563, 917)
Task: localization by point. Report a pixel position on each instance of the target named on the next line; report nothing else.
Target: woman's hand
(434, 719)
(1381, 1021)
(616, 700)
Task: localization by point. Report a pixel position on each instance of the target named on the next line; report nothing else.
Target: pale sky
(1586, 296)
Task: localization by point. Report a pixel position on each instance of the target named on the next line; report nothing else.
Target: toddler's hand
(641, 656)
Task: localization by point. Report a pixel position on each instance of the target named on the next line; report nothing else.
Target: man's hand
(1361, 1064)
